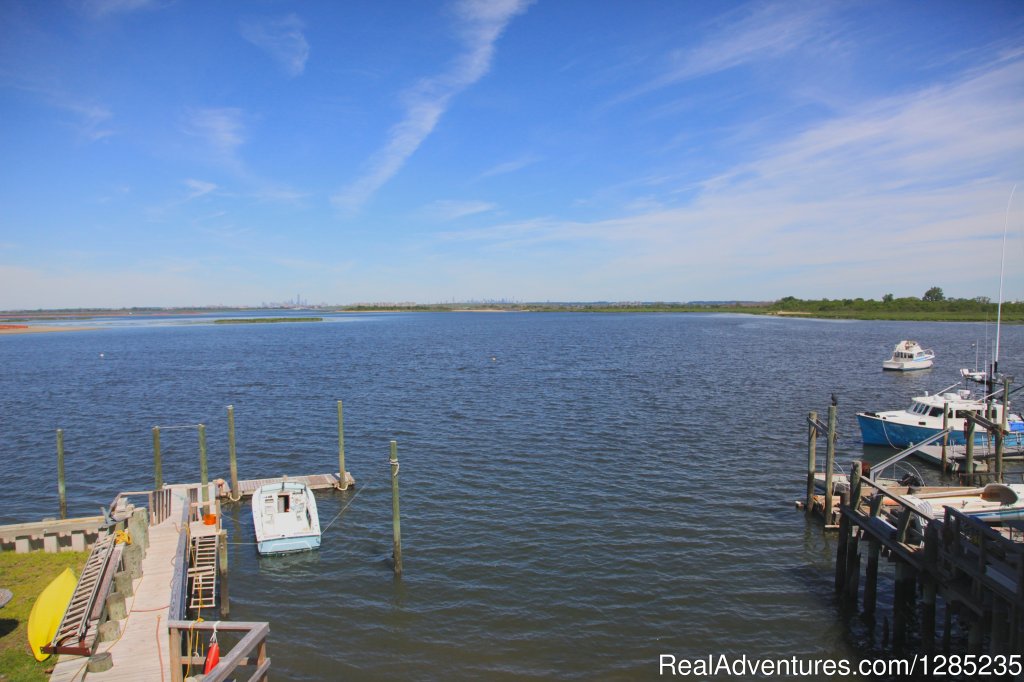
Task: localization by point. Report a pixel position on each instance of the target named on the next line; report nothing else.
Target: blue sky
(191, 153)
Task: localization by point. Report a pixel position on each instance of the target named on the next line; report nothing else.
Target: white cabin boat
(908, 355)
(285, 518)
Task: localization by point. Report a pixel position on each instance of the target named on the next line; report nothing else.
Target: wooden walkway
(142, 649)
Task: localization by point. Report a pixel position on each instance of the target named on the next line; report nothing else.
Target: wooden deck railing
(971, 549)
(159, 505)
(248, 652)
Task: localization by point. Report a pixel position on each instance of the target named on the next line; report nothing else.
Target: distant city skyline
(177, 154)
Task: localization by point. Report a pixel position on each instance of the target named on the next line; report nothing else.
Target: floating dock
(315, 482)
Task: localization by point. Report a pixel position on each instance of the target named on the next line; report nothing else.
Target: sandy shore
(38, 329)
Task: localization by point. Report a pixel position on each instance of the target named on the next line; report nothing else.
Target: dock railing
(902, 513)
(249, 652)
(971, 550)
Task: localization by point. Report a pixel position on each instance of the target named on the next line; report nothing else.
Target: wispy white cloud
(221, 130)
(90, 120)
(479, 25)
(448, 210)
(93, 120)
(102, 8)
(283, 39)
(749, 34)
(836, 207)
(198, 188)
(510, 166)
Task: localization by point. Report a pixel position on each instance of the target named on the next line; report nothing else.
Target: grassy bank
(26, 575)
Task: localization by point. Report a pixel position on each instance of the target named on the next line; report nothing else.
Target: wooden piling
(395, 517)
(975, 635)
(969, 457)
(945, 436)
(855, 487)
(342, 479)
(203, 477)
(222, 564)
(158, 470)
(61, 487)
(1003, 423)
(841, 551)
(830, 458)
(231, 451)
(812, 457)
(899, 613)
(852, 568)
(928, 592)
(871, 578)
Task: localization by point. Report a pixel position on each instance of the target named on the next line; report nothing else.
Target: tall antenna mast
(1002, 268)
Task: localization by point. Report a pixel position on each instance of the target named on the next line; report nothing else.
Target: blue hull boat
(924, 418)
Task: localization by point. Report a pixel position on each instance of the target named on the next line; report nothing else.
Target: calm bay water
(580, 493)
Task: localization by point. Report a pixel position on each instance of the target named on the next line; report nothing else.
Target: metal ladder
(203, 571)
(79, 613)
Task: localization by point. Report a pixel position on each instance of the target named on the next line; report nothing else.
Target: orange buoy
(212, 656)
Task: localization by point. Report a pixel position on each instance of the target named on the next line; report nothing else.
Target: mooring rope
(342, 510)
(179, 426)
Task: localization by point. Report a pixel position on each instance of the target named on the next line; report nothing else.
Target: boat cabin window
(284, 503)
(936, 412)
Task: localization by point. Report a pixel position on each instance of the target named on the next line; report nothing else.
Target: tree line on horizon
(932, 305)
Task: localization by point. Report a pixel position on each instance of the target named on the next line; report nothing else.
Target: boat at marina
(924, 419)
(995, 503)
(908, 356)
(285, 518)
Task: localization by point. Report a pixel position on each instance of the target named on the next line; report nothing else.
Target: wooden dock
(975, 571)
(142, 633)
(314, 481)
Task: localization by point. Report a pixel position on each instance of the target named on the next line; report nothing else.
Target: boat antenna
(1002, 268)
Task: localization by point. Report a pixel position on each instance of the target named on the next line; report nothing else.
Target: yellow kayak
(48, 611)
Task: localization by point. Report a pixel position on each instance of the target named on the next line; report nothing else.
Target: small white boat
(908, 355)
(285, 518)
(977, 376)
(995, 503)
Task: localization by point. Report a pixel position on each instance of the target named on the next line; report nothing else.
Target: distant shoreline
(39, 329)
(900, 310)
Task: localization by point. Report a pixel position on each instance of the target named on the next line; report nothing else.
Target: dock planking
(314, 481)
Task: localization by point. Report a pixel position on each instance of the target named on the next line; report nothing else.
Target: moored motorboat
(285, 518)
(908, 355)
(924, 418)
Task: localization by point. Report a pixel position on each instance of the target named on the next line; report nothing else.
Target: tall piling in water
(231, 451)
(203, 477)
(342, 479)
(395, 517)
(830, 458)
(62, 491)
(812, 457)
(158, 470)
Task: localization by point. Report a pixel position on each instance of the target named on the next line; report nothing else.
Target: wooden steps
(202, 572)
